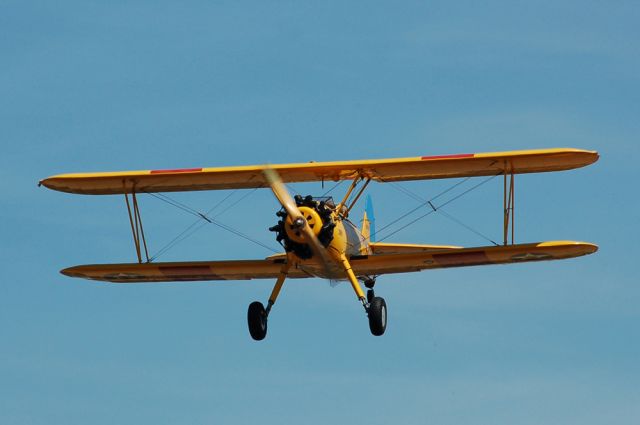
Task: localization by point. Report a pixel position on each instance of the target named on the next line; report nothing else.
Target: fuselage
(341, 237)
(348, 239)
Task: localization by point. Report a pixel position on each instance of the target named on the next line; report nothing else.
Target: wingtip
(47, 183)
(584, 248)
(72, 272)
(587, 248)
(595, 156)
(588, 156)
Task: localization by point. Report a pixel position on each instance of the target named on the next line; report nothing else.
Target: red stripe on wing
(187, 273)
(462, 259)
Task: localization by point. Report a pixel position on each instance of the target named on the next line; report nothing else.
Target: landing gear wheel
(377, 316)
(257, 320)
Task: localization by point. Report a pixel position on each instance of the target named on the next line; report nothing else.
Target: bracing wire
(420, 199)
(187, 232)
(205, 218)
(215, 207)
(471, 229)
(292, 189)
(200, 223)
(333, 188)
(242, 198)
(437, 208)
(487, 180)
(194, 227)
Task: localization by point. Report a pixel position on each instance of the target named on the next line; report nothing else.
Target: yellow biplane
(318, 238)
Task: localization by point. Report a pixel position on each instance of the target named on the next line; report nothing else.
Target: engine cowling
(319, 216)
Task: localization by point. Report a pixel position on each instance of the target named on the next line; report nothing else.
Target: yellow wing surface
(382, 170)
(371, 265)
(405, 248)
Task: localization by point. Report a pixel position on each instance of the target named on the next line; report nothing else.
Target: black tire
(257, 320)
(377, 316)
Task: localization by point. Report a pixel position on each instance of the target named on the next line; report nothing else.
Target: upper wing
(371, 265)
(383, 170)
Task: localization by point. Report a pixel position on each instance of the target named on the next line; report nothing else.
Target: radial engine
(319, 213)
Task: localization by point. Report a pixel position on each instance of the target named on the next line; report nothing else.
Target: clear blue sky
(100, 86)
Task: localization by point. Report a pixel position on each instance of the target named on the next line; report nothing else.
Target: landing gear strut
(369, 283)
(375, 307)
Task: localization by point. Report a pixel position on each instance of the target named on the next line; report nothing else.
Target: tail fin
(369, 221)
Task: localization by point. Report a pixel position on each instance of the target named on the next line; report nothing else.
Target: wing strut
(509, 198)
(136, 226)
(343, 204)
(355, 199)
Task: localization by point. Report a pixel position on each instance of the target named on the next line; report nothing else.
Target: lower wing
(369, 265)
(183, 271)
(462, 257)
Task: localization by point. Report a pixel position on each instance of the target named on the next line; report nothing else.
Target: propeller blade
(289, 205)
(282, 194)
(316, 246)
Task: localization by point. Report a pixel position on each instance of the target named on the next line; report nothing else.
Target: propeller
(297, 218)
